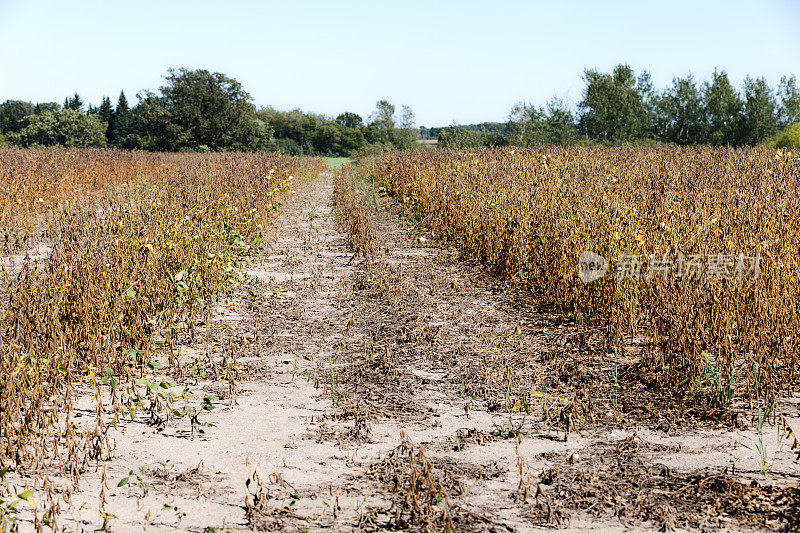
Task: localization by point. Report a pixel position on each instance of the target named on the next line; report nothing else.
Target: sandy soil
(315, 423)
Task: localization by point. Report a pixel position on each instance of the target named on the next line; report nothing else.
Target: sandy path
(285, 322)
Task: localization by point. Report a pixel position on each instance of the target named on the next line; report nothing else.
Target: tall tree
(74, 102)
(681, 116)
(382, 123)
(552, 124)
(615, 106)
(213, 109)
(12, 114)
(407, 134)
(789, 111)
(105, 113)
(119, 124)
(349, 120)
(760, 107)
(151, 127)
(723, 111)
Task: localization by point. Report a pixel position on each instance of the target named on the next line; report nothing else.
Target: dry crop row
(352, 213)
(529, 214)
(33, 182)
(130, 269)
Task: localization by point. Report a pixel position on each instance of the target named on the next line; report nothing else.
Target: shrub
(788, 138)
(63, 127)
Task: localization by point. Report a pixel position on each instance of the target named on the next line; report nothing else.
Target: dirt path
(343, 377)
(278, 323)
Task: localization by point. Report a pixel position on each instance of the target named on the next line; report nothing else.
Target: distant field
(336, 162)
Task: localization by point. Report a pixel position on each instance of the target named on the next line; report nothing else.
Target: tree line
(621, 107)
(197, 110)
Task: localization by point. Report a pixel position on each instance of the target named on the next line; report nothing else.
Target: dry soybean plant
(421, 492)
(529, 214)
(33, 182)
(352, 214)
(133, 267)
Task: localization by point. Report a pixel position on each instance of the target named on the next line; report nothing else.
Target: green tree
(119, 125)
(151, 127)
(723, 111)
(295, 125)
(615, 106)
(350, 120)
(521, 121)
(287, 146)
(406, 135)
(680, 117)
(789, 111)
(105, 113)
(12, 114)
(459, 137)
(213, 110)
(43, 107)
(760, 119)
(558, 124)
(385, 128)
(332, 139)
(74, 102)
(65, 127)
(553, 124)
(382, 123)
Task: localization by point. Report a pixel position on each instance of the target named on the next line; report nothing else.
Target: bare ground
(389, 398)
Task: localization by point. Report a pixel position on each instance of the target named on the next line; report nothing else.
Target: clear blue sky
(466, 61)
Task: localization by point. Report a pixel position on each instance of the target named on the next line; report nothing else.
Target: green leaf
(179, 276)
(123, 482)
(25, 495)
(131, 294)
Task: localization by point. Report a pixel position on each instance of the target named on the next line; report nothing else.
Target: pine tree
(119, 124)
(74, 102)
(105, 112)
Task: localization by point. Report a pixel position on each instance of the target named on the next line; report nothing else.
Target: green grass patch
(336, 162)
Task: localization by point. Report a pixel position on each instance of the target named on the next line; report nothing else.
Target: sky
(450, 61)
